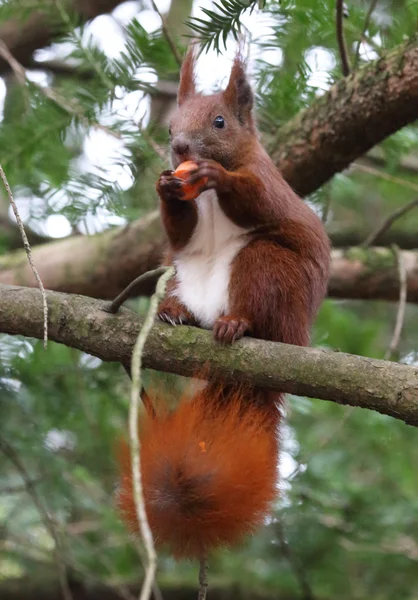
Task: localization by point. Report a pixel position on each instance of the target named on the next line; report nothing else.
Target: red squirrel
(251, 258)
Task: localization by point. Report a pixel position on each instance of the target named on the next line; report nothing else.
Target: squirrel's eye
(219, 122)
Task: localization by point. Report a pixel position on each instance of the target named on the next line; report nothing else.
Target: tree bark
(82, 323)
(39, 30)
(372, 274)
(101, 266)
(405, 238)
(11, 236)
(357, 113)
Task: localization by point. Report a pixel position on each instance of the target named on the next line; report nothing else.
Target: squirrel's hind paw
(173, 312)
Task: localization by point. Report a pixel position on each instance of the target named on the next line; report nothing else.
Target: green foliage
(345, 523)
(10, 9)
(221, 22)
(148, 50)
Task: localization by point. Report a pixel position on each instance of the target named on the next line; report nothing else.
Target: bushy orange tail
(209, 471)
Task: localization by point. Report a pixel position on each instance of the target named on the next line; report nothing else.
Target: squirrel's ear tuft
(238, 94)
(187, 86)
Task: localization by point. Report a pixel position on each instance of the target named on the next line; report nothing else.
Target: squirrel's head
(215, 126)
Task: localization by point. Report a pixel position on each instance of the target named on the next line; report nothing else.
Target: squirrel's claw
(229, 329)
(172, 312)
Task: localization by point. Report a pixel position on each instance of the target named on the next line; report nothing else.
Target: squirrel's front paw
(173, 312)
(170, 187)
(229, 329)
(215, 175)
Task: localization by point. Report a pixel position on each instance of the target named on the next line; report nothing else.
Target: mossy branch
(355, 114)
(80, 322)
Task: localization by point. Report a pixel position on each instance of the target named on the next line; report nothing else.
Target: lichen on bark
(80, 322)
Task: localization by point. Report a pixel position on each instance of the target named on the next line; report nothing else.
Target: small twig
(28, 251)
(70, 106)
(388, 222)
(203, 578)
(372, 6)
(159, 151)
(141, 285)
(61, 6)
(400, 317)
(147, 402)
(49, 524)
(16, 67)
(144, 527)
(155, 588)
(60, 67)
(295, 565)
(339, 21)
(167, 35)
(386, 176)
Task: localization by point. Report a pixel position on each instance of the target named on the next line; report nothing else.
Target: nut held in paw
(190, 191)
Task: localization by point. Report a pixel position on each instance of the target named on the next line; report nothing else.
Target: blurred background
(86, 90)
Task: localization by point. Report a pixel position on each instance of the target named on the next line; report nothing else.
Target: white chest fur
(204, 265)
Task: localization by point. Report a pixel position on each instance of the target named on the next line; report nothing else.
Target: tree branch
(70, 106)
(10, 233)
(367, 20)
(136, 387)
(342, 236)
(400, 317)
(339, 21)
(82, 323)
(28, 251)
(61, 68)
(103, 265)
(167, 35)
(376, 157)
(372, 274)
(23, 38)
(387, 223)
(357, 113)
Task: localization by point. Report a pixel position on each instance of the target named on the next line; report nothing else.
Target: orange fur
(209, 470)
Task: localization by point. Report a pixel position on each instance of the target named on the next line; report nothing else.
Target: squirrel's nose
(180, 146)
